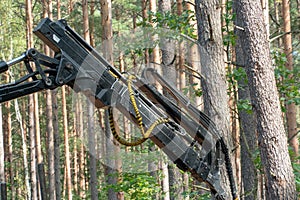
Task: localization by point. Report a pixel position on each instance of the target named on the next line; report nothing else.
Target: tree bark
(90, 117)
(208, 14)
(56, 131)
(111, 168)
(144, 16)
(265, 8)
(49, 117)
(280, 182)
(50, 133)
(155, 58)
(66, 145)
(8, 143)
(288, 50)
(81, 160)
(56, 138)
(248, 132)
(31, 111)
(193, 58)
(2, 171)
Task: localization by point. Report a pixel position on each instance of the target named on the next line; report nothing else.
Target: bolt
(48, 82)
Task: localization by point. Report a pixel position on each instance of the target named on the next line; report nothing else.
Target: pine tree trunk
(9, 143)
(31, 111)
(24, 150)
(56, 131)
(92, 24)
(181, 73)
(40, 164)
(208, 14)
(49, 116)
(288, 49)
(90, 113)
(51, 152)
(110, 171)
(248, 140)
(81, 161)
(169, 72)
(111, 168)
(57, 143)
(194, 57)
(265, 8)
(66, 145)
(144, 16)
(153, 58)
(2, 168)
(75, 152)
(280, 182)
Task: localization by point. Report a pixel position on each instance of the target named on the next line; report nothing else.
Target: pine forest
(149, 99)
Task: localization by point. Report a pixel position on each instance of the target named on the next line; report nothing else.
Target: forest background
(48, 131)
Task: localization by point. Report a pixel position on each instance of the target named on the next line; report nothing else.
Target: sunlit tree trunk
(81, 159)
(155, 58)
(7, 127)
(193, 62)
(232, 89)
(40, 159)
(66, 145)
(277, 10)
(265, 8)
(31, 110)
(2, 168)
(92, 24)
(174, 188)
(181, 68)
(49, 117)
(90, 113)
(110, 168)
(56, 138)
(56, 132)
(288, 49)
(248, 132)
(50, 133)
(144, 16)
(280, 182)
(193, 59)
(208, 14)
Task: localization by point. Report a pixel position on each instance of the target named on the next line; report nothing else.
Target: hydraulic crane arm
(187, 136)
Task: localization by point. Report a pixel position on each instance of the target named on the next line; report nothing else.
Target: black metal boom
(79, 66)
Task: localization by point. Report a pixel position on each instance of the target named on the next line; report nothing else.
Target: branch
(281, 35)
(293, 136)
(234, 63)
(274, 20)
(202, 188)
(189, 2)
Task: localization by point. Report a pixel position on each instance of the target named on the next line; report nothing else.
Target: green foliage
(288, 81)
(235, 76)
(194, 90)
(179, 23)
(296, 167)
(229, 38)
(140, 186)
(257, 161)
(244, 105)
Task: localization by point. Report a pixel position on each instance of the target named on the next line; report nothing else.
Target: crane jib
(189, 138)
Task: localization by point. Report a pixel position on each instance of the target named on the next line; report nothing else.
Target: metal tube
(16, 60)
